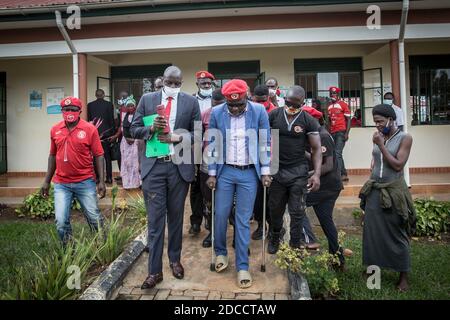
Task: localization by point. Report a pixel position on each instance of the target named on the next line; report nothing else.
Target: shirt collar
(164, 96)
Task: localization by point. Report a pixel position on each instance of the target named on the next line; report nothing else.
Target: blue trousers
(245, 184)
(86, 193)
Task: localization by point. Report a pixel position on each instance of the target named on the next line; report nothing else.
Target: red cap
(235, 89)
(71, 101)
(203, 75)
(314, 112)
(334, 89)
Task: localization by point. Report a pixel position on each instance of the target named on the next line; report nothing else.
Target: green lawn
(18, 240)
(429, 278)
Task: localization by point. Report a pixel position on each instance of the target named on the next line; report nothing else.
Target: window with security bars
(430, 89)
(317, 75)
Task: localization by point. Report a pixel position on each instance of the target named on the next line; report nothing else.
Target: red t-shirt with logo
(74, 151)
(337, 112)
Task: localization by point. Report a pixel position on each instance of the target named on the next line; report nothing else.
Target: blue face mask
(387, 128)
(388, 101)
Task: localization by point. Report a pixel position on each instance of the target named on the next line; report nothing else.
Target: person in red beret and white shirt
(339, 126)
(203, 95)
(74, 143)
(236, 166)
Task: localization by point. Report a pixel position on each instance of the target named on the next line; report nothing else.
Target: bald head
(173, 77)
(296, 95)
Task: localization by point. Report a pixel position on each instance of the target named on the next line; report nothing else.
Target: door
(105, 84)
(3, 154)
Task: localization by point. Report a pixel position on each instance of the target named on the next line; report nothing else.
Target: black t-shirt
(330, 181)
(293, 136)
(102, 110)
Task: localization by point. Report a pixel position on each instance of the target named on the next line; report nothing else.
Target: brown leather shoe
(177, 270)
(152, 280)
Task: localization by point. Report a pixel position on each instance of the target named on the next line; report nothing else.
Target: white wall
(28, 131)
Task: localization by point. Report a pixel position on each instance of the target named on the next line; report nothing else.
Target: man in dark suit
(101, 114)
(165, 180)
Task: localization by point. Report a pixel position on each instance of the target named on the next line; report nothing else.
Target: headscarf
(129, 100)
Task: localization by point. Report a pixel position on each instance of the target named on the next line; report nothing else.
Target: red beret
(334, 89)
(235, 89)
(71, 101)
(312, 111)
(203, 75)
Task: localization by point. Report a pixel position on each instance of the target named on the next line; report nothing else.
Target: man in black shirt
(291, 182)
(324, 199)
(101, 114)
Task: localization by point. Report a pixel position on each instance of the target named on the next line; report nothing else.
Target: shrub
(318, 269)
(137, 206)
(112, 239)
(433, 217)
(36, 206)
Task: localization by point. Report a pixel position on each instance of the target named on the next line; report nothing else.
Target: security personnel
(203, 95)
(291, 183)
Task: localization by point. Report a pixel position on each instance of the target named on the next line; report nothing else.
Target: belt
(249, 166)
(165, 159)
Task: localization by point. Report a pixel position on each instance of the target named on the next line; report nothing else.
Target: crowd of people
(238, 171)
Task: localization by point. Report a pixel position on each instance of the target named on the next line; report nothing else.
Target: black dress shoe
(258, 233)
(152, 280)
(177, 270)
(195, 229)
(108, 181)
(207, 241)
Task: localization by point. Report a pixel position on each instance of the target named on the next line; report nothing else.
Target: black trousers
(196, 199)
(107, 155)
(323, 204)
(165, 193)
(288, 187)
(258, 207)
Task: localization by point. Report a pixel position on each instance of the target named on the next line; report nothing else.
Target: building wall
(28, 130)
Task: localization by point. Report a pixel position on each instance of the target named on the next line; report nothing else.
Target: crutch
(212, 267)
(263, 252)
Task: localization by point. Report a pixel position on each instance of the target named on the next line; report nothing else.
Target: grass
(429, 278)
(18, 240)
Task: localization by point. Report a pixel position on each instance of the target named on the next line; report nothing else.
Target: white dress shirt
(204, 103)
(399, 115)
(237, 152)
(172, 117)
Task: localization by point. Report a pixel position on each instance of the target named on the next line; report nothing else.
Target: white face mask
(388, 101)
(272, 92)
(206, 92)
(171, 92)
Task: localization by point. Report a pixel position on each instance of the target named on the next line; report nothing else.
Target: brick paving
(199, 282)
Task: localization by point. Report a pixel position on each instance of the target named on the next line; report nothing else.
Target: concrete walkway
(199, 282)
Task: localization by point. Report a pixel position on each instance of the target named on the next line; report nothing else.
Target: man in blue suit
(240, 158)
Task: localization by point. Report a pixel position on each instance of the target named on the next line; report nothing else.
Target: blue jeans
(244, 183)
(86, 193)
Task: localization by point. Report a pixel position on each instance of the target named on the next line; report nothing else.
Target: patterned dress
(130, 168)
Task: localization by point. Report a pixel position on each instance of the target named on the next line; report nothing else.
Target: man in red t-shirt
(74, 143)
(339, 126)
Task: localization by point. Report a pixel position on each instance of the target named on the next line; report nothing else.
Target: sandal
(244, 279)
(221, 263)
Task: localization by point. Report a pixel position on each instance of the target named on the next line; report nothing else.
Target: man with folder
(165, 173)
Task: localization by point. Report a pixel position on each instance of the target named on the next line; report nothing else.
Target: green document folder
(153, 147)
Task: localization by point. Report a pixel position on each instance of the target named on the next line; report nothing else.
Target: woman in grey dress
(386, 232)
